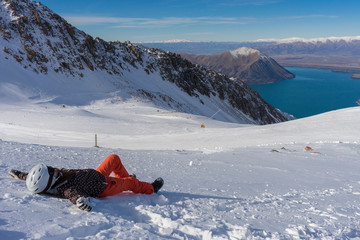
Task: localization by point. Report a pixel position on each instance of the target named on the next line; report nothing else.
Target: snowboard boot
(157, 184)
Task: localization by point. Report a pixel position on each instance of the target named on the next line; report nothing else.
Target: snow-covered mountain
(245, 64)
(334, 53)
(312, 40)
(50, 60)
(338, 44)
(321, 46)
(200, 47)
(337, 54)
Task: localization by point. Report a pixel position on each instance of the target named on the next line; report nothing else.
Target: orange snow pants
(122, 181)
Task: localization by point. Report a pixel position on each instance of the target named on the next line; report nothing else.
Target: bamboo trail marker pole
(96, 141)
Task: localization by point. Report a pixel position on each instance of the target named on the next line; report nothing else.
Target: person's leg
(113, 164)
(118, 185)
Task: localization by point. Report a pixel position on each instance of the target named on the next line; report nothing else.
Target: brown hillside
(246, 64)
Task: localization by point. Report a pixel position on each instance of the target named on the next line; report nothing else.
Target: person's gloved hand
(83, 203)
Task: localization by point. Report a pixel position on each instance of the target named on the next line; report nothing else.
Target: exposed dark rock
(63, 49)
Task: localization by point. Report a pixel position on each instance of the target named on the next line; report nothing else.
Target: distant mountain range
(199, 48)
(337, 54)
(334, 53)
(45, 59)
(243, 64)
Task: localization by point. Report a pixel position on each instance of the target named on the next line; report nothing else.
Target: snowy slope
(224, 181)
(50, 60)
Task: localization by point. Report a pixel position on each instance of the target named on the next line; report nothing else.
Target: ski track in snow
(234, 195)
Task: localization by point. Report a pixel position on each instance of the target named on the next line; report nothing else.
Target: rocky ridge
(243, 64)
(42, 42)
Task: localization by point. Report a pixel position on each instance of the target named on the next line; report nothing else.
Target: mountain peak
(245, 64)
(42, 52)
(244, 51)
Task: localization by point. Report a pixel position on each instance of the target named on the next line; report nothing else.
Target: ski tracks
(310, 200)
(295, 215)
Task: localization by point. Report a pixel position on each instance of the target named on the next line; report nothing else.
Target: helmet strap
(51, 171)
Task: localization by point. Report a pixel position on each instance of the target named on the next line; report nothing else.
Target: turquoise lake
(311, 92)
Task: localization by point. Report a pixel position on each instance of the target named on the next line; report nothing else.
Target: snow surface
(247, 51)
(224, 181)
(243, 51)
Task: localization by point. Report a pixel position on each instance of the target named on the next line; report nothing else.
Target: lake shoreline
(355, 76)
(335, 69)
(344, 64)
(313, 91)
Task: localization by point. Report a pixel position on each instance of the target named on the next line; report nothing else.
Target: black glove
(83, 203)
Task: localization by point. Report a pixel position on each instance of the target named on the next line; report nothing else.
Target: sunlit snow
(224, 181)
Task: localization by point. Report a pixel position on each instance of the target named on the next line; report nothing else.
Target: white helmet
(39, 178)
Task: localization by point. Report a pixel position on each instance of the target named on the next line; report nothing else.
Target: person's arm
(18, 174)
(76, 196)
(82, 201)
(84, 204)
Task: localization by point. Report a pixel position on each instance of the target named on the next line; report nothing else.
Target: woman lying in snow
(78, 185)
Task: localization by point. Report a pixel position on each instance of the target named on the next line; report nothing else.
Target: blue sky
(210, 20)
